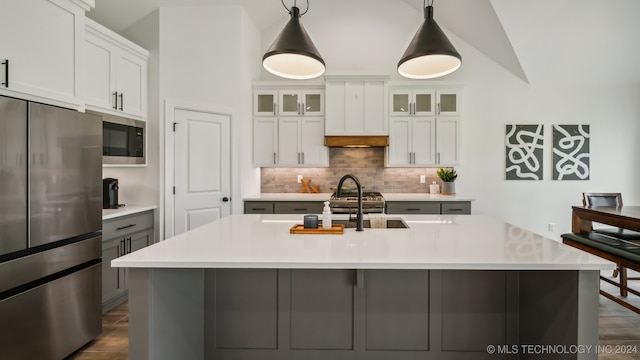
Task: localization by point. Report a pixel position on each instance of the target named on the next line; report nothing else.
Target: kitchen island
(447, 287)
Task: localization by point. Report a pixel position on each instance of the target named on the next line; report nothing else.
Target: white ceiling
(524, 36)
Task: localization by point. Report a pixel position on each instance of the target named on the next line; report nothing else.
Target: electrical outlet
(299, 179)
(423, 179)
(551, 227)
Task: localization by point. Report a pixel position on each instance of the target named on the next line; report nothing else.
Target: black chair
(612, 200)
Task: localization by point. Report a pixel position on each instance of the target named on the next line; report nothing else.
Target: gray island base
(275, 314)
(448, 287)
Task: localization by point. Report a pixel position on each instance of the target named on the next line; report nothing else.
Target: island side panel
(588, 307)
(166, 314)
(569, 302)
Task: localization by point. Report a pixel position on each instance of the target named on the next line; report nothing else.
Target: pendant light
(293, 55)
(430, 54)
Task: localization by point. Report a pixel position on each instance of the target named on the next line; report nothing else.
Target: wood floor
(113, 343)
(619, 332)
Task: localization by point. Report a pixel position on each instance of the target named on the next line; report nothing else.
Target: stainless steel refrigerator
(50, 230)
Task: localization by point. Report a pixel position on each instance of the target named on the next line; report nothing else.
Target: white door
(202, 168)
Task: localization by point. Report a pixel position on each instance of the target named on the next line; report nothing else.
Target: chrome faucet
(360, 219)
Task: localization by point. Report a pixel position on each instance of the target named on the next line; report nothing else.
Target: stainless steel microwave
(123, 141)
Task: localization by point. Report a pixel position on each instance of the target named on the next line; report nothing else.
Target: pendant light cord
(294, 4)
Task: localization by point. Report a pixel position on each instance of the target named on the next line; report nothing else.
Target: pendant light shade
(430, 54)
(293, 55)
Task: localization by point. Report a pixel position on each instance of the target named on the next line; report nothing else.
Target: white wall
(358, 37)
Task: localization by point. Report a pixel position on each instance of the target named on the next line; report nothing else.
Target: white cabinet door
(42, 41)
(98, 72)
(413, 102)
(289, 141)
(312, 142)
(356, 107)
(265, 140)
(131, 84)
(265, 103)
(399, 151)
(447, 145)
(447, 102)
(116, 73)
(423, 140)
(301, 102)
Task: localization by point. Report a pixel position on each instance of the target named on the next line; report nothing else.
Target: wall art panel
(524, 152)
(571, 152)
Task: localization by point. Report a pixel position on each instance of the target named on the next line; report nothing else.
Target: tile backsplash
(367, 164)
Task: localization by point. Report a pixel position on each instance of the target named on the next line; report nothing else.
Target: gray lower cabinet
(428, 207)
(258, 207)
(356, 314)
(121, 236)
(283, 207)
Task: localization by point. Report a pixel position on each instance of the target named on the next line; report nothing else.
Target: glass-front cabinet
(424, 126)
(419, 102)
(301, 102)
(265, 103)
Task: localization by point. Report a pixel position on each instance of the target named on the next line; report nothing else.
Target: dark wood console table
(626, 217)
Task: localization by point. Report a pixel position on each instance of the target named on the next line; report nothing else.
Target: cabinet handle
(274, 108)
(115, 95)
(258, 209)
(412, 209)
(123, 249)
(303, 109)
(438, 158)
(298, 158)
(300, 209)
(359, 279)
(6, 73)
(274, 157)
(302, 158)
(298, 108)
(121, 102)
(438, 108)
(454, 209)
(125, 227)
(129, 242)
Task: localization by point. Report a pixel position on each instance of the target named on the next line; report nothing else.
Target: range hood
(356, 141)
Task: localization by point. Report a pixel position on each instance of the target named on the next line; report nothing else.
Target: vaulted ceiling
(594, 39)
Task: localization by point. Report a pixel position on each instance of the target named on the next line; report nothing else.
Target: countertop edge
(109, 214)
(387, 196)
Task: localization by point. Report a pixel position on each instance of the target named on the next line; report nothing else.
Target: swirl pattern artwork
(571, 152)
(524, 152)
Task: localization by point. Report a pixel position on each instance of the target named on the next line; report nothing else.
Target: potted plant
(448, 176)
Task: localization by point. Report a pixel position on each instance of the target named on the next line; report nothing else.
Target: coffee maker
(109, 193)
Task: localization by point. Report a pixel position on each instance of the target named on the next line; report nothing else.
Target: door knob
(225, 199)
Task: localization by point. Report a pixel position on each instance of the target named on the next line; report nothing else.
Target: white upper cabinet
(288, 126)
(41, 56)
(447, 102)
(116, 73)
(356, 106)
(424, 126)
(411, 141)
(301, 141)
(409, 103)
(301, 102)
(265, 103)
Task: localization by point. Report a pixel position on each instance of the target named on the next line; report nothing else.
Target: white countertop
(326, 196)
(108, 214)
(475, 242)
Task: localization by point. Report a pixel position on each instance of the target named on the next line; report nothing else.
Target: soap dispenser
(326, 216)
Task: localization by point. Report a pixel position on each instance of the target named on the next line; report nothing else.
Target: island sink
(391, 224)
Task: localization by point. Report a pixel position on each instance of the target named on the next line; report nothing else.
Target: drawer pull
(6, 73)
(299, 209)
(259, 209)
(126, 227)
(413, 209)
(455, 209)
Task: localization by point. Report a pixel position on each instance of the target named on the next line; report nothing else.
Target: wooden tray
(335, 229)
